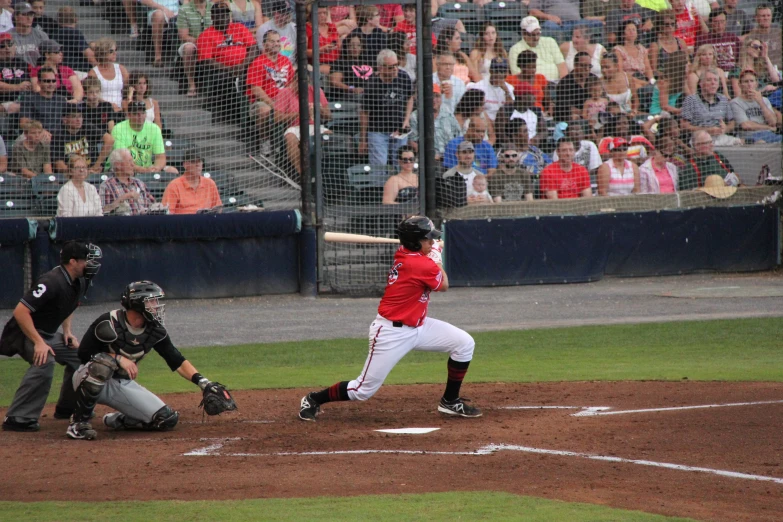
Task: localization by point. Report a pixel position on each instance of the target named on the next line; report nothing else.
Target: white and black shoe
(115, 421)
(81, 431)
(308, 408)
(459, 408)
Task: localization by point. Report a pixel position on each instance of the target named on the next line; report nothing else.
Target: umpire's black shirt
(53, 298)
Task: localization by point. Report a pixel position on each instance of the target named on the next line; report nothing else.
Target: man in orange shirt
(192, 192)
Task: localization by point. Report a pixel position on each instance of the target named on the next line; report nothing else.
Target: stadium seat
(226, 183)
(45, 189)
(506, 16)
(16, 197)
(175, 151)
(240, 200)
(509, 38)
(97, 179)
(468, 13)
(345, 117)
(365, 182)
(156, 182)
(468, 42)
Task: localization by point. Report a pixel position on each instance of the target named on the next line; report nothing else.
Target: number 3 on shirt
(39, 291)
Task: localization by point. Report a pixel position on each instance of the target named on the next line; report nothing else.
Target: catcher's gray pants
(30, 397)
(125, 396)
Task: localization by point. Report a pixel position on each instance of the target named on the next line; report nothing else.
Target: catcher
(110, 352)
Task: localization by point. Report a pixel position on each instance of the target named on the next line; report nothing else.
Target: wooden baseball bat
(341, 237)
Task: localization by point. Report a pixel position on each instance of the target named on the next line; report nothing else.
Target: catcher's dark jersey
(132, 345)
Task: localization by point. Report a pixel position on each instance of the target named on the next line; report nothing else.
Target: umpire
(32, 333)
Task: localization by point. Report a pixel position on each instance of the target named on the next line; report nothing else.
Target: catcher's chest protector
(131, 345)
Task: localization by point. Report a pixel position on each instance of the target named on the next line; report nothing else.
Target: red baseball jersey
(411, 279)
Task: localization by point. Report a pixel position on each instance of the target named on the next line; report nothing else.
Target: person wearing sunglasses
(768, 34)
(511, 182)
(754, 57)
(46, 106)
(27, 38)
(403, 187)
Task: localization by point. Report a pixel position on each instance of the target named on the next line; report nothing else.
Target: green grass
(472, 506)
(736, 350)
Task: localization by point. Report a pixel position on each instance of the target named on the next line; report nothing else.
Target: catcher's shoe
(115, 421)
(458, 407)
(308, 408)
(81, 431)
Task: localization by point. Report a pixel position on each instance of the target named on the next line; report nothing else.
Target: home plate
(409, 431)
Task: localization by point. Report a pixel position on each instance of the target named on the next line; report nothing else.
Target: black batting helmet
(414, 229)
(146, 298)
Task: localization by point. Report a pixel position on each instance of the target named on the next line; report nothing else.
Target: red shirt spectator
(409, 28)
(228, 48)
(390, 14)
(565, 178)
(538, 87)
(331, 38)
(271, 74)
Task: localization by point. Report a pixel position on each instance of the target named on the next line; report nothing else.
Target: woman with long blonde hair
(488, 47)
(754, 57)
(704, 60)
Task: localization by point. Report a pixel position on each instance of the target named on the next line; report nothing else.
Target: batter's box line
(214, 451)
(594, 411)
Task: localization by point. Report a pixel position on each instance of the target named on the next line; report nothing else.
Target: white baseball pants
(389, 344)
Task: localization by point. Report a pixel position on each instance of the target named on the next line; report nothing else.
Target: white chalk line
(213, 450)
(591, 412)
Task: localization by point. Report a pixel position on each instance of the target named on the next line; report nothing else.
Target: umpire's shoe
(308, 408)
(11, 424)
(81, 430)
(459, 408)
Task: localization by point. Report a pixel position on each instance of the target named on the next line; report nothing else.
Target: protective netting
(175, 92)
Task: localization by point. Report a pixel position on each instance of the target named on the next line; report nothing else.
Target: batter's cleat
(11, 424)
(308, 408)
(459, 408)
(81, 431)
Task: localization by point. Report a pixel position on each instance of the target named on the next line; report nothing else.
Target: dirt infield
(616, 457)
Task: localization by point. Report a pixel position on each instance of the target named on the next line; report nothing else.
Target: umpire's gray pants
(30, 397)
(125, 396)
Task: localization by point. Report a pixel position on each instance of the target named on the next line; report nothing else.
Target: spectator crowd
(587, 98)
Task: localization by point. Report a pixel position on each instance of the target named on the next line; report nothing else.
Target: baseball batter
(110, 351)
(402, 325)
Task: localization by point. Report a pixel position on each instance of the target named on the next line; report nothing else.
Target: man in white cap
(550, 61)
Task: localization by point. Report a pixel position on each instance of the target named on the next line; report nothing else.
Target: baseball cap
(71, 108)
(74, 250)
(191, 154)
(465, 145)
(498, 65)
(5, 37)
(49, 46)
(617, 143)
(135, 107)
(23, 8)
(435, 88)
(530, 24)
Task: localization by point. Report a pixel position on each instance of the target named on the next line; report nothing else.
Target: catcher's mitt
(217, 399)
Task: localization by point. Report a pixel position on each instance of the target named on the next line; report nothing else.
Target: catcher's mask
(412, 230)
(146, 298)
